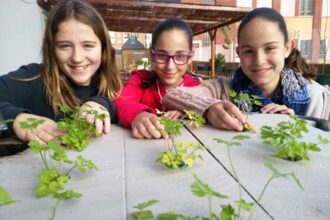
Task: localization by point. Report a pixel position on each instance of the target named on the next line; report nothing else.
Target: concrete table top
(283, 199)
(128, 175)
(103, 193)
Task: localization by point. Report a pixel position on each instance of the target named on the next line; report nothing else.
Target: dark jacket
(17, 96)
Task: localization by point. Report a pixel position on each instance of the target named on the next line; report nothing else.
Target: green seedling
(201, 189)
(52, 179)
(235, 141)
(245, 103)
(142, 213)
(5, 198)
(61, 196)
(194, 119)
(275, 174)
(286, 139)
(168, 216)
(242, 204)
(79, 129)
(179, 154)
(228, 212)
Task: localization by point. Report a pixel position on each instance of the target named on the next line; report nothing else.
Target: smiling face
(172, 42)
(78, 51)
(262, 51)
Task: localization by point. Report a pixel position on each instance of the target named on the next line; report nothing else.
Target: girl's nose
(77, 55)
(260, 57)
(170, 64)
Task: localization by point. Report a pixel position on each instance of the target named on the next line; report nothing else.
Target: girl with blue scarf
(269, 68)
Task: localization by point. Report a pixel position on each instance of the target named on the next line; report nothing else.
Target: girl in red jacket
(171, 53)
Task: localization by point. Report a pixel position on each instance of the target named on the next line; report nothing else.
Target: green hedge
(323, 79)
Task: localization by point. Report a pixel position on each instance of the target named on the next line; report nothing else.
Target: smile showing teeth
(79, 67)
(260, 70)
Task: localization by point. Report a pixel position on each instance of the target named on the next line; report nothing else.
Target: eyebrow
(179, 51)
(266, 44)
(66, 41)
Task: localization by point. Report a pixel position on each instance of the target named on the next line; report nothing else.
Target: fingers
(139, 129)
(225, 115)
(136, 133)
(233, 111)
(98, 126)
(159, 127)
(142, 129)
(48, 131)
(43, 132)
(107, 125)
(276, 108)
(173, 114)
(148, 129)
(147, 125)
(89, 111)
(102, 126)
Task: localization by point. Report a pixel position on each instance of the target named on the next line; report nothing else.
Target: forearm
(184, 99)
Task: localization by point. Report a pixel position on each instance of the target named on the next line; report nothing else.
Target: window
(209, 2)
(169, 1)
(206, 42)
(264, 3)
(326, 8)
(244, 3)
(306, 49)
(288, 7)
(306, 7)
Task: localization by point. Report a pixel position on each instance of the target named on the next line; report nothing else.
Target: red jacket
(135, 99)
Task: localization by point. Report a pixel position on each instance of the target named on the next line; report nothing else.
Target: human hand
(43, 133)
(174, 114)
(147, 125)
(225, 115)
(276, 108)
(89, 108)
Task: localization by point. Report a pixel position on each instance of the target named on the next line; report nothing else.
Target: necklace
(160, 95)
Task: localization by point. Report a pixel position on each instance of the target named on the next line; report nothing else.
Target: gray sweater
(202, 97)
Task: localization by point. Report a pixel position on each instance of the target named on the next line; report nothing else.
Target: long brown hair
(298, 63)
(57, 85)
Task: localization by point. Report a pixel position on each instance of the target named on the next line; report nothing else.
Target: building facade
(308, 22)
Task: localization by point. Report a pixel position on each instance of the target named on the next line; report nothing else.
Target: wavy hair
(57, 85)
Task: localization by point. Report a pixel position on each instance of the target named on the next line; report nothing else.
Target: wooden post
(212, 34)
(316, 31)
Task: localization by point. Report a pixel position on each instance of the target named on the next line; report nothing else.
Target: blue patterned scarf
(292, 91)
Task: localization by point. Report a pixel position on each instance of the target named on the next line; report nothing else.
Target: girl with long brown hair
(78, 69)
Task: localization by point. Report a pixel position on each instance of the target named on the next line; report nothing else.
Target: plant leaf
(5, 198)
(144, 205)
(227, 212)
(201, 189)
(245, 205)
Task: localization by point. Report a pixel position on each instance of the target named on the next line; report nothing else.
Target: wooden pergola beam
(143, 16)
